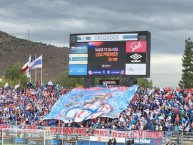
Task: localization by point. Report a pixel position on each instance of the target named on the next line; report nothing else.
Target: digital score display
(110, 54)
(106, 58)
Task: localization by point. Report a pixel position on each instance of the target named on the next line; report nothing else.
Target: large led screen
(110, 54)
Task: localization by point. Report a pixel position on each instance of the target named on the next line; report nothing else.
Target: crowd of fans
(27, 106)
(163, 109)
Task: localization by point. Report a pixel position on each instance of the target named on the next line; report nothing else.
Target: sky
(52, 21)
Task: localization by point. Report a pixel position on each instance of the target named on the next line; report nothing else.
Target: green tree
(14, 76)
(187, 64)
(144, 82)
(97, 81)
(70, 82)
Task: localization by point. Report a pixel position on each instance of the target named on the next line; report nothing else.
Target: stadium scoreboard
(110, 54)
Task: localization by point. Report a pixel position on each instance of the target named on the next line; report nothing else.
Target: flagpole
(30, 76)
(30, 55)
(41, 72)
(30, 61)
(35, 71)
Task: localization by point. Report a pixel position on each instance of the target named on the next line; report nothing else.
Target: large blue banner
(81, 104)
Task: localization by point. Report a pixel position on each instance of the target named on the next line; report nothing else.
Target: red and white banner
(136, 134)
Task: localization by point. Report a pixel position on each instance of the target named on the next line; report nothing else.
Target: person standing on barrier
(114, 141)
(110, 142)
(128, 142)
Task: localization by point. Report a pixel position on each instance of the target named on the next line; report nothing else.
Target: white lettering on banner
(106, 139)
(135, 45)
(98, 49)
(107, 37)
(136, 61)
(144, 141)
(78, 55)
(109, 82)
(77, 48)
(138, 134)
(114, 49)
(99, 138)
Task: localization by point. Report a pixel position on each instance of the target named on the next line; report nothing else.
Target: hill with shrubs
(15, 50)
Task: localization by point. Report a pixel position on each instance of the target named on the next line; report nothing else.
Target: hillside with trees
(15, 50)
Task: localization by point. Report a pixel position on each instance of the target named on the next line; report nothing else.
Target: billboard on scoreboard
(110, 54)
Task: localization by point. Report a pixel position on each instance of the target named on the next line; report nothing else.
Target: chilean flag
(26, 66)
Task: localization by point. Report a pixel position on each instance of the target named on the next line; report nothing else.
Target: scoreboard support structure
(129, 82)
(89, 82)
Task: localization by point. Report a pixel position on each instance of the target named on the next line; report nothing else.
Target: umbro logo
(135, 56)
